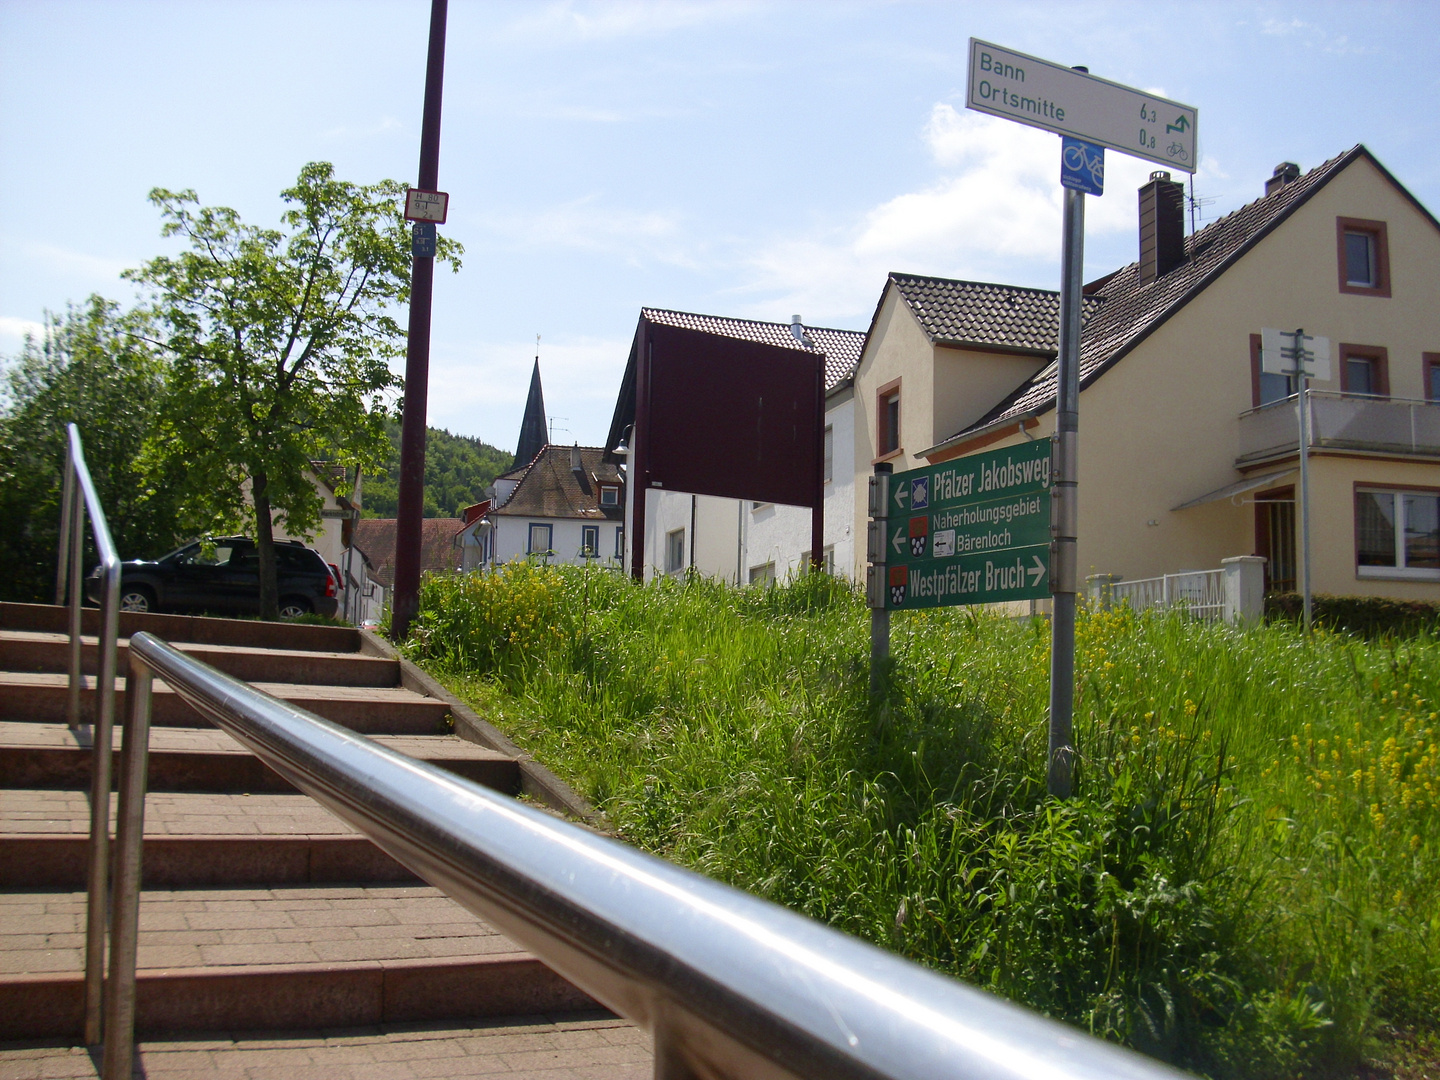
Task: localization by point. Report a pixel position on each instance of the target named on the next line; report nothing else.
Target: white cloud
(76, 262)
(587, 223)
(486, 384)
(13, 332)
(992, 213)
(383, 126)
(567, 20)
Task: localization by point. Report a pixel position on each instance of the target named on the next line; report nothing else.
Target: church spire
(534, 430)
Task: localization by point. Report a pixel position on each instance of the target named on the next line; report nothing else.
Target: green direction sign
(975, 530)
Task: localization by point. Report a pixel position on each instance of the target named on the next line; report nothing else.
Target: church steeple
(534, 430)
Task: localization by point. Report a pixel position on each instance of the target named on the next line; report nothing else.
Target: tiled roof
(1132, 311)
(375, 538)
(550, 487)
(842, 348)
(977, 313)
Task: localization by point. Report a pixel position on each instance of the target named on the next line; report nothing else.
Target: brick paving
(44, 932)
(568, 1047)
(172, 813)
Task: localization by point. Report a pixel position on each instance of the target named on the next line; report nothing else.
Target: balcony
(1339, 422)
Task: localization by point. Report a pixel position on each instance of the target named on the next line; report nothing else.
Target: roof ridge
(752, 322)
(894, 274)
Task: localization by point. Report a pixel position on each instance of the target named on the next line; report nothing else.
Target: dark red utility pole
(417, 354)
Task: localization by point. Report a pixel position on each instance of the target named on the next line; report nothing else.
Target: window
(827, 560)
(764, 574)
(539, 540)
(1397, 533)
(1431, 362)
(1364, 370)
(609, 495)
(887, 420)
(620, 542)
(1267, 388)
(674, 551)
(589, 541)
(1363, 253)
(829, 453)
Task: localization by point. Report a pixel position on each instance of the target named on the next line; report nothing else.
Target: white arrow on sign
(898, 542)
(902, 494)
(1038, 572)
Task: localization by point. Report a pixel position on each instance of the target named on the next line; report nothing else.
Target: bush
(1369, 616)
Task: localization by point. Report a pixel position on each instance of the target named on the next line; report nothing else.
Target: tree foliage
(279, 343)
(458, 470)
(90, 367)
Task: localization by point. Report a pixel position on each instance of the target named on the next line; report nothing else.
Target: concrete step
(191, 840)
(43, 651)
(201, 630)
(207, 759)
(559, 1046)
(275, 958)
(371, 710)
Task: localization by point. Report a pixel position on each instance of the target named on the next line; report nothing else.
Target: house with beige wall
(1188, 451)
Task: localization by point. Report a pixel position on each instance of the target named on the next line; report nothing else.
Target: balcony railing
(1342, 422)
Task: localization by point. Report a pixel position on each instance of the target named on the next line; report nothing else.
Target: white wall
(510, 537)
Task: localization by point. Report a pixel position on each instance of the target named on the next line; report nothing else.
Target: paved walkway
(568, 1047)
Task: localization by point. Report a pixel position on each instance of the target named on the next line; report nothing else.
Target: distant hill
(458, 470)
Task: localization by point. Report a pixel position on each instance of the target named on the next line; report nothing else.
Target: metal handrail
(728, 984)
(78, 498)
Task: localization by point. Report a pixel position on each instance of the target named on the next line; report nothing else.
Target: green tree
(458, 470)
(91, 368)
(279, 342)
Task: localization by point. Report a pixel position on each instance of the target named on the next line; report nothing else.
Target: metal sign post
(1082, 109)
(1309, 358)
(875, 583)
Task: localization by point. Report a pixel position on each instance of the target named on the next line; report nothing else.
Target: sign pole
(1064, 506)
(411, 510)
(879, 613)
(1302, 371)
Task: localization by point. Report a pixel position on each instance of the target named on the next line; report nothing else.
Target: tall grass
(1245, 883)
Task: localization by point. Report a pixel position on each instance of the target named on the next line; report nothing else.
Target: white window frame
(609, 495)
(589, 541)
(620, 541)
(1399, 571)
(549, 533)
(675, 551)
(829, 452)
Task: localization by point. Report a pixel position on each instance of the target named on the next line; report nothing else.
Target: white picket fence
(1200, 593)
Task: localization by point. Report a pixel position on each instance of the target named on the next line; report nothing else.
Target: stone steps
(260, 909)
(370, 710)
(272, 958)
(37, 756)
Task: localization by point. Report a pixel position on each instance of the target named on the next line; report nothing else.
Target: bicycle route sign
(1052, 97)
(975, 530)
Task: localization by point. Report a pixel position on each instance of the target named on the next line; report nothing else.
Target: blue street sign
(422, 240)
(1082, 166)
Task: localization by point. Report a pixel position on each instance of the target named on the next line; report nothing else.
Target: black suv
(222, 575)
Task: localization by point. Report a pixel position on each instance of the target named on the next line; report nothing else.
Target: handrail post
(77, 590)
(129, 836)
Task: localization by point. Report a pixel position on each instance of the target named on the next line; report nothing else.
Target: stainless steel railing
(77, 499)
(728, 984)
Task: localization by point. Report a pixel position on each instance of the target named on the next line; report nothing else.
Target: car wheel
(292, 607)
(136, 598)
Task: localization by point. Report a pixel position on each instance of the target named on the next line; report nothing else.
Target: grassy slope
(1246, 883)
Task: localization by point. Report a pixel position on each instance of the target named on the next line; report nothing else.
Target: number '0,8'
(1147, 141)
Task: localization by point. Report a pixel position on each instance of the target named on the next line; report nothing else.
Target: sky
(750, 159)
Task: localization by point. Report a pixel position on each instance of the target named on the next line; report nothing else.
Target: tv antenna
(1197, 205)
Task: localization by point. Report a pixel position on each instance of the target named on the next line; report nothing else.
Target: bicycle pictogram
(1177, 151)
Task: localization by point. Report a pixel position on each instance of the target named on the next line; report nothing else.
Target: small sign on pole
(432, 206)
(422, 240)
(1082, 166)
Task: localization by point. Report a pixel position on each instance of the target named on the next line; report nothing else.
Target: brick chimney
(1287, 172)
(1162, 227)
